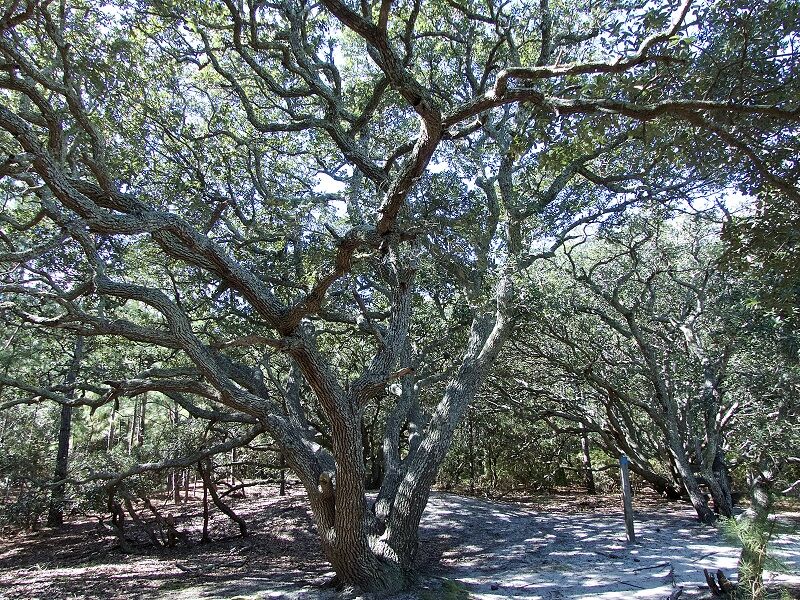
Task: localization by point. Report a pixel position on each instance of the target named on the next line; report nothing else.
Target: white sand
(500, 550)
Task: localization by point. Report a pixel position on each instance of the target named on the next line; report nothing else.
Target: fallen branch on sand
(656, 566)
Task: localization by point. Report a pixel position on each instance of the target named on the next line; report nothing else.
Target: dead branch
(205, 473)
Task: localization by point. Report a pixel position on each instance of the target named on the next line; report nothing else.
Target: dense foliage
(306, 234)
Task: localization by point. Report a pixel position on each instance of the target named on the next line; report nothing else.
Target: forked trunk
(690, 483)
(370, 570)
(719, 487)
(360, 558)
(373, 548)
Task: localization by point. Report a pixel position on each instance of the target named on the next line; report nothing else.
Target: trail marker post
(627, 498)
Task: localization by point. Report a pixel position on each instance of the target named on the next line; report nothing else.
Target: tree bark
(756, 537)
(488, 333)
(690, 483)
(721, 492)
(134, 423)
(55, 514)
(142, 420)
(587, 463)
(375, 551)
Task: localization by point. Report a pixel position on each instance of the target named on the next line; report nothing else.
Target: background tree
(648, 343)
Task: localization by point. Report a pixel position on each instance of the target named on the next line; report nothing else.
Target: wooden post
(627, 498)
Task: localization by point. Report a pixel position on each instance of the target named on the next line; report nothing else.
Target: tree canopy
(286, 216)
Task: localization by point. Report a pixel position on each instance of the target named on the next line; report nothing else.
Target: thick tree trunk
(375, 570)
(369, 567)
(412, 495)
(347, 531)
(720, 493)
(393, 467)
(714, 469)
(55, 514)
(671, 426)
(374, 550)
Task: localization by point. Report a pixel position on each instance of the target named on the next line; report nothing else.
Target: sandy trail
(563, 547)
(511, 551)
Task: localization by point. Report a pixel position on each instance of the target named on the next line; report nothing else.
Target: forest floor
(562, 546)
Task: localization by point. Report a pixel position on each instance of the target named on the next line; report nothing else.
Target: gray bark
(587, 463)
(142, 420)
(690, 483)
(370, 550)
(55, 514)
(750, 584)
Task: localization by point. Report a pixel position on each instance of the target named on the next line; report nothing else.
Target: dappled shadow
(511, 550)
(565, 547)
(83, 560)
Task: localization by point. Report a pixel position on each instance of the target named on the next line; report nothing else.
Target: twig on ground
(656, 566)
(633, 585)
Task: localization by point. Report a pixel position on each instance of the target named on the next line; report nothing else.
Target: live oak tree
(245, 184)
